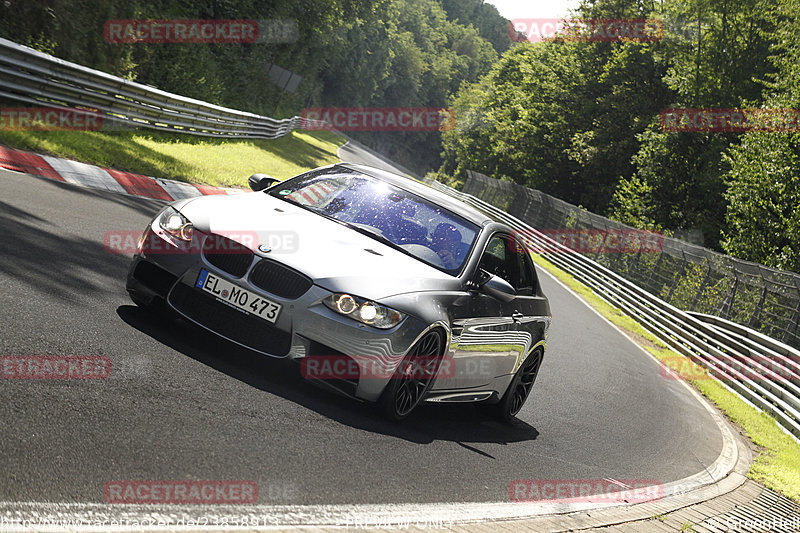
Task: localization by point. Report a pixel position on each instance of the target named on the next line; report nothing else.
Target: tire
(405, 392)
(519, 389)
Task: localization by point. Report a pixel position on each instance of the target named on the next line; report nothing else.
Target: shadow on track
(455, 423)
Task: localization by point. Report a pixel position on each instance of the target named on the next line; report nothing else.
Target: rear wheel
(413, 377)
(520, 388)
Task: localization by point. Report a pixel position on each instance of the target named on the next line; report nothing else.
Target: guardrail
(33, 77)
(684, 274)
(762, 370)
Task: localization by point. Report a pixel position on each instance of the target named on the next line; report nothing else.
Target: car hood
(336, 257)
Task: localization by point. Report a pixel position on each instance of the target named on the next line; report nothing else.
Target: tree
(517, 121)
(764, 177)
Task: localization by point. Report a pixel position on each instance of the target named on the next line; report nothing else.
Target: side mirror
(259, 182)
(499, 288)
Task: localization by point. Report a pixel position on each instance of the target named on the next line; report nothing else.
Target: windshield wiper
(372, 232)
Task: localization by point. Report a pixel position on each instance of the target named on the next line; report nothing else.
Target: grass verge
(777, 463)
(227, 162)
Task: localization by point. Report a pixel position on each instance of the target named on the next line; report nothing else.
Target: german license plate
(238, 297)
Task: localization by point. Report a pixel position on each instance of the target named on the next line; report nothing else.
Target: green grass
(226, 162)
(777, 464)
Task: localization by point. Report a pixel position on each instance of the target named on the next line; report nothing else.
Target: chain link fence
(685, 275)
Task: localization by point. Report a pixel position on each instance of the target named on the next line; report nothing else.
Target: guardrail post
(677, 279)
(653, 270)
(702, 286)
(727, 305)
(795, 320)
(757, 312)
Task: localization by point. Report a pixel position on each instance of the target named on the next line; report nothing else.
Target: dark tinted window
(506, 258)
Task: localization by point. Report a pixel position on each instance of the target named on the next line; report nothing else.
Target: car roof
(448, 202)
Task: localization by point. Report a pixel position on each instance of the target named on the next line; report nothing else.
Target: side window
(494, 258)
(528, 282)
(506, 258)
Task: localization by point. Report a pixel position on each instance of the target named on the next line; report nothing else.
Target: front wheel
(413, 377)
(520, 388)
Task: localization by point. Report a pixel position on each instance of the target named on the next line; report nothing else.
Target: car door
(486, 334)
(531, 312)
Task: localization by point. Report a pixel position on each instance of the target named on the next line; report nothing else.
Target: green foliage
(632, 203)
(580, 121)
(350, 53)
(764, 177)
(716, 51)
(558, 116)
(485, 17)
(763, 199)
(681, 172)
(512, 123)
(429, 58)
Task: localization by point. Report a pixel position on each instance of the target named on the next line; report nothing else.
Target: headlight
(364, 311)
(177, 225)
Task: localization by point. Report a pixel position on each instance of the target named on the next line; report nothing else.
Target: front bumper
(304, 328)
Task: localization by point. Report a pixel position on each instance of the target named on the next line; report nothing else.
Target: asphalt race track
(182, 405)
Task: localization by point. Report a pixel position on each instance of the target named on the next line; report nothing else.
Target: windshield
(407, 221)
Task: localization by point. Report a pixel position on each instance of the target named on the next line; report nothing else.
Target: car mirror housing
(499, 288)
(259, 182)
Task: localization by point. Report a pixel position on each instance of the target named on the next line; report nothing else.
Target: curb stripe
(138, 185)
(179, 190)
(228, 190)
(95, 177)
(27, 162)
(83, 174)
(208, 189)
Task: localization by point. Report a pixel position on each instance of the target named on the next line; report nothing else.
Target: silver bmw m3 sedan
(377, 285)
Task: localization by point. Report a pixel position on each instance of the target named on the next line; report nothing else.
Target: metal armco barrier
(762, 370)
(683, 274)
(39, 79)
